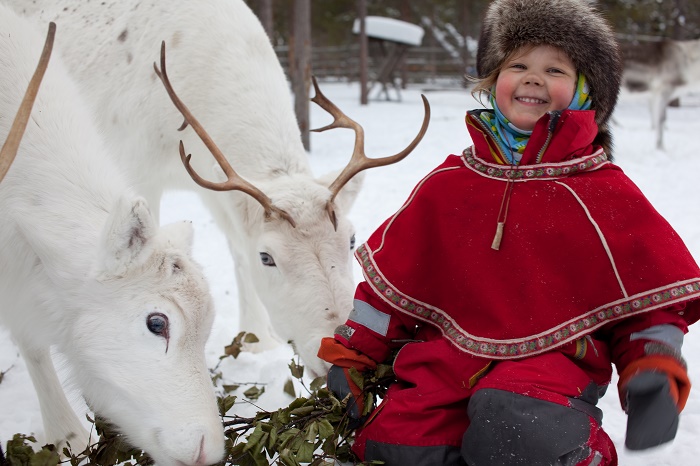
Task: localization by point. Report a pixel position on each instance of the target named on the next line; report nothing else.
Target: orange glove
(677, 374)
(339, 380)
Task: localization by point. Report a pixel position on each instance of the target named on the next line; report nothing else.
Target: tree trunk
(266, 18)
(678, 32)
(301, 66)
(364, 51)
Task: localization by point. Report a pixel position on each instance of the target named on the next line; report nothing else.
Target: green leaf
(253, 393)
(225, 403)
(301, 401)
(229, 388)
(317, 383)
(289, 388)
(250, 338)
(288, 459)
(305, 453)
(311, 432)
(303, 411)
(384, 370)
(325, 429)
(45, 457)
(255, 440)
(297, 370)
(357, 377)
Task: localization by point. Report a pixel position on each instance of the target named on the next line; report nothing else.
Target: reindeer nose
(201, 455)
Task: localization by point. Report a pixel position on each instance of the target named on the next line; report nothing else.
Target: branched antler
(234, 181)
(359, 161)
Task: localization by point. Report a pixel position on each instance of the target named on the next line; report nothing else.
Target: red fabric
(624, 351)
(573, 137)
(432, 270)
(599, 442)
(428, 406)
(552, 281)
(376, 346)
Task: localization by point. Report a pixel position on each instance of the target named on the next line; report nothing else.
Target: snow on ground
(669, 178)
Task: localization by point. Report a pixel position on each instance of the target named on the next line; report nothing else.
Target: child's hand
(347, 364)
(340, 383)
(651, 409)
(653, 390)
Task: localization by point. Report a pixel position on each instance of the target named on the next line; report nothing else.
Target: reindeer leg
(61, 424)
(659, 104)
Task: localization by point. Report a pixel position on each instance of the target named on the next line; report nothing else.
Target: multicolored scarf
(511, 139)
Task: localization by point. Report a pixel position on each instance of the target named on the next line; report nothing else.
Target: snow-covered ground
(670, 179)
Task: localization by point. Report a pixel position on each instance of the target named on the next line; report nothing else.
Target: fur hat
(571, 25)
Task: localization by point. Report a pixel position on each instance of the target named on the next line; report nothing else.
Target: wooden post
(301, 67)
(364, 51)
(405, 16)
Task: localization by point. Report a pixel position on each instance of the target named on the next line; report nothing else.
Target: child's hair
(575, 27)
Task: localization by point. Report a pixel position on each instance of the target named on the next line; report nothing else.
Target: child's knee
(508, 429)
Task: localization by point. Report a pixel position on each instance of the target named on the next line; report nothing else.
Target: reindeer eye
(267, 260)
(352, 243)
(157, 324)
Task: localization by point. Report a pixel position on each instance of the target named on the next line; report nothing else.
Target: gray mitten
(338, 382)
(652, 414)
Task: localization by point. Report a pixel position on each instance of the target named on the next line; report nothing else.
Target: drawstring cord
(503, 213)
(505, 202)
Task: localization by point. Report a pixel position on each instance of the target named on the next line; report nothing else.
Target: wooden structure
(393, 38)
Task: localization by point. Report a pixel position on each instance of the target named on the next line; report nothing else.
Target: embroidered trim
(531, 344)
(541, 171)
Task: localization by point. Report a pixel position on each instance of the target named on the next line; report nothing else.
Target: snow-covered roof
(391, 29)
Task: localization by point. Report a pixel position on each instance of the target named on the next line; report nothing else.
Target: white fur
(84, 265)
(677, 73)
(222, 66)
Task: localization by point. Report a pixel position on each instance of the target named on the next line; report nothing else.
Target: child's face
(533, 82)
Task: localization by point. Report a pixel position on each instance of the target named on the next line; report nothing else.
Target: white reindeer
(86, 268)
(292, 264)
(672, 70)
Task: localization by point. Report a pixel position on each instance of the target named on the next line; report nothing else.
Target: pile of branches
(313, 430)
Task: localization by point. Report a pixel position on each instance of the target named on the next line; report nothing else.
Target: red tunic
(582, 247)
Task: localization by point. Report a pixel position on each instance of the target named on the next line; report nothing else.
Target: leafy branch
(312, 430)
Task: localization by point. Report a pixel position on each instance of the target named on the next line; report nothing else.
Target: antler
(359, 161)
(11, 145)
(234, 182)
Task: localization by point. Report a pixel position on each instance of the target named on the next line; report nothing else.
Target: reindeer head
(299, 246)
(138, 339)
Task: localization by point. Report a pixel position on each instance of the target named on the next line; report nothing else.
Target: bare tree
(301, 66)
(267, 18)
(364, 50)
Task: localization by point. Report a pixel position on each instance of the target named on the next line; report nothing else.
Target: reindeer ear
(348, 193)
(179, 234)
(126, 236)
